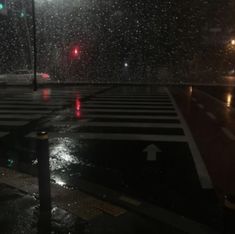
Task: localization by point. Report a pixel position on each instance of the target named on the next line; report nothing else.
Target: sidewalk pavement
(74, 211)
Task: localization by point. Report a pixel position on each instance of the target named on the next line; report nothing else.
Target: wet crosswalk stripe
(28, 103)
(26, 111)
(2, 134)
(27, 107)
(165, 100)
(147, 117)
(127, 111)
(130, 125)
(117, 136)
(13, 123)
(15, 116)
(126, 103)
(126, 106)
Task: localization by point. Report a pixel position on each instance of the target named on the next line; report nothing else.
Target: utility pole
(34, 48)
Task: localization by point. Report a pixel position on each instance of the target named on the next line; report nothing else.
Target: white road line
(127, 106)
(200, 106)
(229, 134)
(153, 117)
(201, 169)
(2, 134)
(130, 103)
(212, 116)
(130, 99)
(127, 111)
(15, 116)
(116, 136)
(30, 103)
(132, 96)
(25, 111)
(13, 123)
(124, 124)
(223, 103)
(28, 107)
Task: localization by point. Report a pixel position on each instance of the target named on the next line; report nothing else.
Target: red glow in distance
(77, 104)
(46, 94)
(75, 52)
(77, 114)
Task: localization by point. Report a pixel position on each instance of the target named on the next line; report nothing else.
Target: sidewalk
(78, 212)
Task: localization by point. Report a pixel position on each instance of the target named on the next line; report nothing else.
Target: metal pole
(43, 172)
(34, 48)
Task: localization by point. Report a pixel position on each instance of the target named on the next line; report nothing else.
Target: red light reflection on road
(77, 104)
(46, 94)
(77, 108)
(78, 114)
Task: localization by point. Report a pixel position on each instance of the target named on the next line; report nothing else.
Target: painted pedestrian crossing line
(20, 109)
(130, 117)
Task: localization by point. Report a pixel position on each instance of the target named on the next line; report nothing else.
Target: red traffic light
(75, 52)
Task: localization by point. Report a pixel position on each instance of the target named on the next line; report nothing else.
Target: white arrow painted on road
(152, 151)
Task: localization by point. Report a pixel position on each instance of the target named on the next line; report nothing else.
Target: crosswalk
(18, 108)
(133, 115)
(123, 114)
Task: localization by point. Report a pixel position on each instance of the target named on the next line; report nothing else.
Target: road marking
(127, 111)
(25, 111)
(152, 151)
(133, 96)
(150, 117)
(223, 103)
(132, 99)
(14, 116)
(41, 104)
(201, 169)
(212, 116)
(2, 134)
(13, 123)
(130, 200)
(116, 136)
(127, 106)
(130, 103)
(27, 107)
(229, 134)
(200, 106)
(126, 124)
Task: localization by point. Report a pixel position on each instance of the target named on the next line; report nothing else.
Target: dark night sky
(158, 31)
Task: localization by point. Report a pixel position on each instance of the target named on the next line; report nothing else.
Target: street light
(233, 42)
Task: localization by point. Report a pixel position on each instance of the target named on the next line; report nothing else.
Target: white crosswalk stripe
(18, 109)
(112, 136)
(13, 123)
(2, 134)
(127, 111)
(128, 117)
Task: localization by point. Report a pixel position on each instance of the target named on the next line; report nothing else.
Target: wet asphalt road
(131, 139)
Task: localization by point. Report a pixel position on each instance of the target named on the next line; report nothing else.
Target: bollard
(43, 172)
(229, 214)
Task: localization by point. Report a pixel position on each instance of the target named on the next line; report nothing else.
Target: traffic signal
(75, 52)
(3, 7)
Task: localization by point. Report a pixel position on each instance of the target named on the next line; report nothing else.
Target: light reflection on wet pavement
(119, 164)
